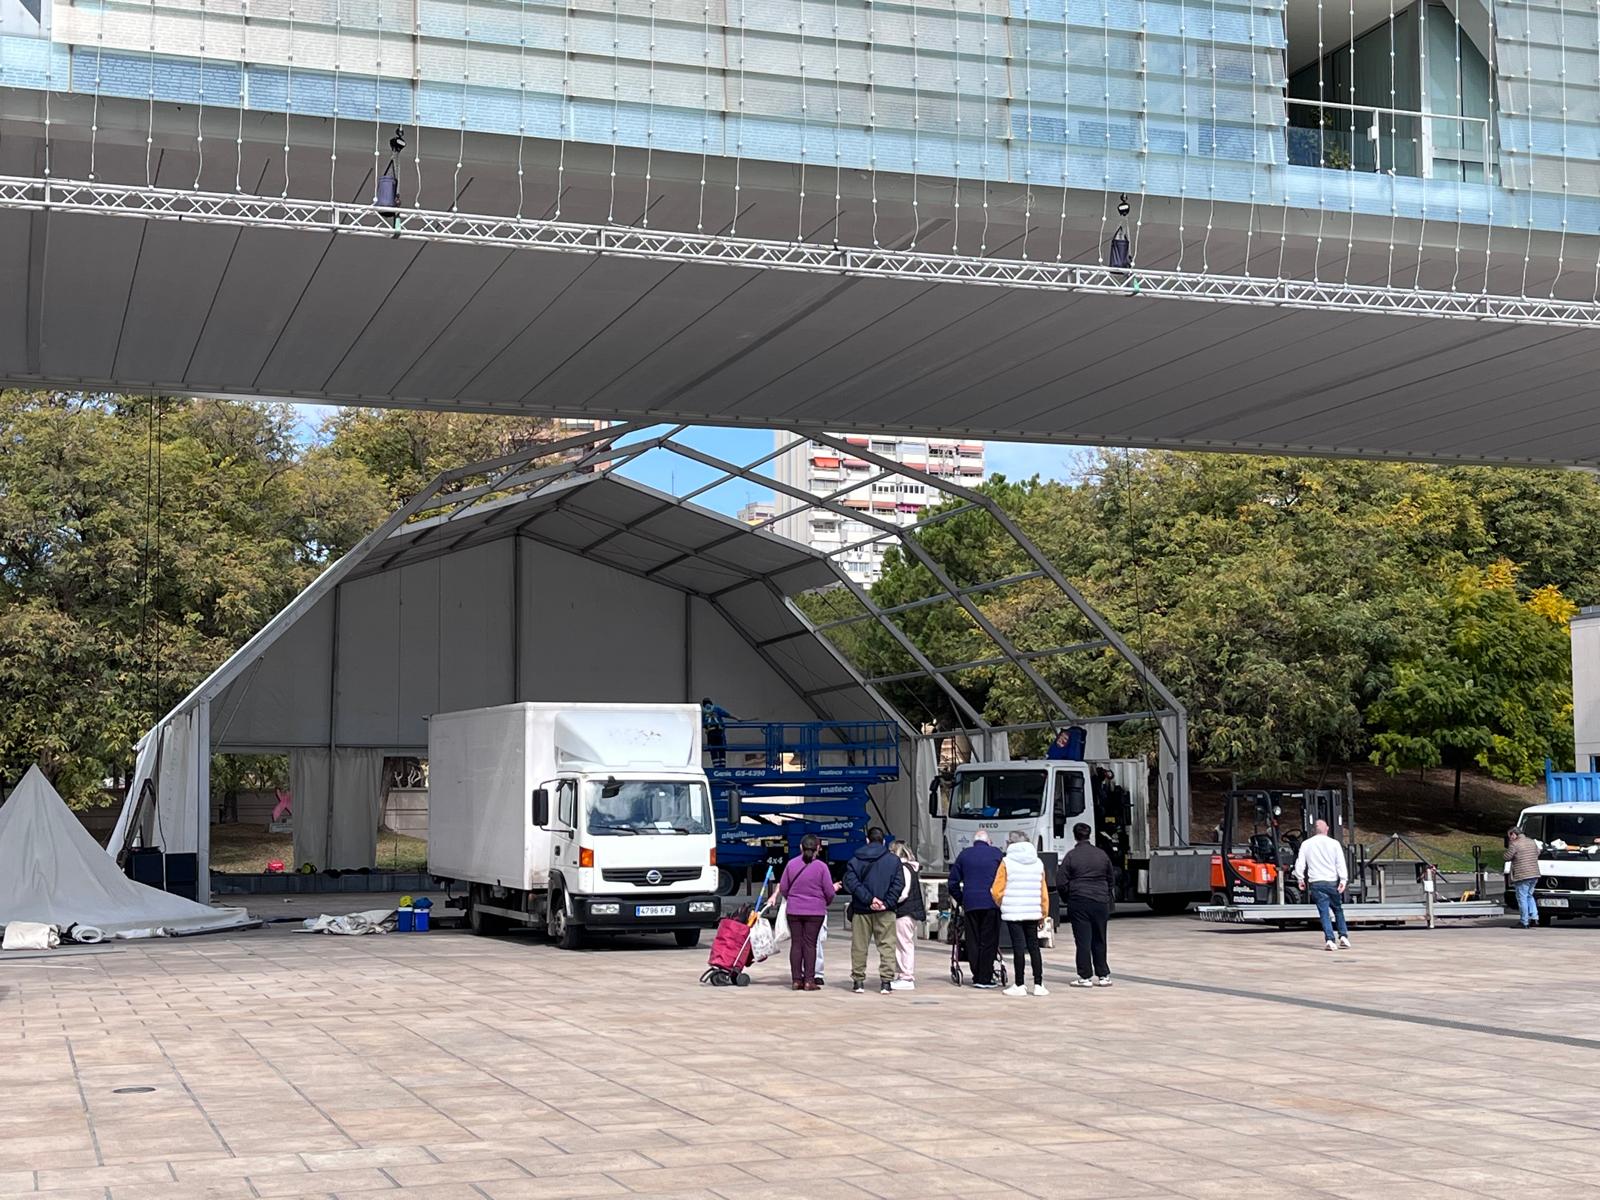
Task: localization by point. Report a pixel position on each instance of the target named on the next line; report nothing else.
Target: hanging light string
(1066, 125)
(955, 24)
(1527, 104)
(377, 109)
(522, 100)
(288, 99)
(616, 102)
(333, 142)
(1144, 123)
(94, 119)
(1105, 159)
(1281, 196)
(150, 123)
(461, 124)
(650, 123)
(838, 130)
(738, 145)
(1394, 147)
(1183, 117)
(1027, 99)
(872, 114)
(567, 106)
(1561, 43)
(983, 17)
(1211, 181)
(1422, 74)
(916, 127)
(1350, 175)
(805, 128)
(244, 78)
(1255, 142)
(200, 104)
(1323, 112)
(705, 111)
(416, 114)
(1459, 114)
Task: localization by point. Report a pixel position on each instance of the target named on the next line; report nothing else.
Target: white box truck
(574, 818)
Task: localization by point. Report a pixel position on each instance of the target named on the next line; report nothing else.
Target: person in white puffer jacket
(1023, 895)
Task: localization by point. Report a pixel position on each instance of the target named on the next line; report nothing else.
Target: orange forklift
(1258, 868)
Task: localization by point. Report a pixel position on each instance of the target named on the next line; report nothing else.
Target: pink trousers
(905, 950)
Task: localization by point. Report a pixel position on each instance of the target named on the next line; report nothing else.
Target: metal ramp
(795, 778)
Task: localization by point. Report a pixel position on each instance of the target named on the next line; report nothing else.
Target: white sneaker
(1328, 946)
(1103, 981)
(1039, 989)
(1344, 943)
(1016, 989)
(904, 985)
(1080, 983)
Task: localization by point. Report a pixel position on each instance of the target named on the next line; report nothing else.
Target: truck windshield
(1573, 828)
(998, 794)
(634, 806)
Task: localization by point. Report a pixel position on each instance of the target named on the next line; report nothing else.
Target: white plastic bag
(780, 930)
(762, 940)
(30, 935)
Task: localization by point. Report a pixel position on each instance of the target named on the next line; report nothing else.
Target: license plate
(1552, 904)
(662, 910)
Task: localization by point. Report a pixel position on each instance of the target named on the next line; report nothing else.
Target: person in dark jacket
(1086, 879)
(875, 882)
(971, 877)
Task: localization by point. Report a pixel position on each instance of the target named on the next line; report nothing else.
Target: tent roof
(624, 524)
(746, 574)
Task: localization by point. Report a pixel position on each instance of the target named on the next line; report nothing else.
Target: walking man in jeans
(1085, 879)
(1522, 864)
(874, 880)
(1321, 863)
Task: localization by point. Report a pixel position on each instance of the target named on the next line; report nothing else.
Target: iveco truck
(574, 819)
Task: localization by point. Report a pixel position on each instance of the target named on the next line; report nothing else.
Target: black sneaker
(885, 987)
(858, 986)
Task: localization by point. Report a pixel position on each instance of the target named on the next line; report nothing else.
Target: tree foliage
(1282, 599)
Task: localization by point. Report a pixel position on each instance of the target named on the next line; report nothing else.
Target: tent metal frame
(427, 519)
(144, 202)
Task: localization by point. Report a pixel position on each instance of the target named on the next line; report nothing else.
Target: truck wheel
(567, 935)
(686, 938)
(1545, 918)
(727, 885)
(482, 923)
(1168, 904)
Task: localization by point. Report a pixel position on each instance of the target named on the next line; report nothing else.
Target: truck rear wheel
(1168, 904)
(686, 938)
(482, 923)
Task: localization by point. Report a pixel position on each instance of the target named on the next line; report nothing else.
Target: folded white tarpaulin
(53, 872)
(374, 920)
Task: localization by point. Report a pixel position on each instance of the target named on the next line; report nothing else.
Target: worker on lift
(1061, 746)
(714, 728)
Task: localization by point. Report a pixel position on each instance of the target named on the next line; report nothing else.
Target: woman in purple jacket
(808, 887)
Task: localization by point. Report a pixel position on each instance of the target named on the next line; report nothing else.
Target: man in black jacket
(1086, 879)
(874, 881)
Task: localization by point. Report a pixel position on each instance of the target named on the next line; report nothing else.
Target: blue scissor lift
(795, 778)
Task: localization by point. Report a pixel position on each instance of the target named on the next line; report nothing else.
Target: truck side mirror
(933, 804)
(734, 814)
(541, 807)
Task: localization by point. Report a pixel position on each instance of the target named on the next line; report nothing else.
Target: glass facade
(1495, 117)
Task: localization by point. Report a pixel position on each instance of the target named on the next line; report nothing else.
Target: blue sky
(676, 474)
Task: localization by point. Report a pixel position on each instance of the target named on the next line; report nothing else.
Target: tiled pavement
(448, 1067)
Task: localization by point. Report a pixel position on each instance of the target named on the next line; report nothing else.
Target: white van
(1569, 858)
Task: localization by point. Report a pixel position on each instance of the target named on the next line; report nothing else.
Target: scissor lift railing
(795, 778)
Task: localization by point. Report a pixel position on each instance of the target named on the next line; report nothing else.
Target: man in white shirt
(1321, 863)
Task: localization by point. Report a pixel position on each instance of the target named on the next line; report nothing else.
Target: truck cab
(1044, 798)
(1568, 836)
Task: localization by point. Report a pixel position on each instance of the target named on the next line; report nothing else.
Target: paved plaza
(450, 1067)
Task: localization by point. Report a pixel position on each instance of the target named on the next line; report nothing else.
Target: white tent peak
(53, 871)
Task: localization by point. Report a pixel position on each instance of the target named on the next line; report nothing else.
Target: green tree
(140, 543)
(1492, 688)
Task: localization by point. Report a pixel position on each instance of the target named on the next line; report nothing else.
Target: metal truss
(151, 203)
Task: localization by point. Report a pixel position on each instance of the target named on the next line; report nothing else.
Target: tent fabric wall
(352, 780)
(175, 747)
